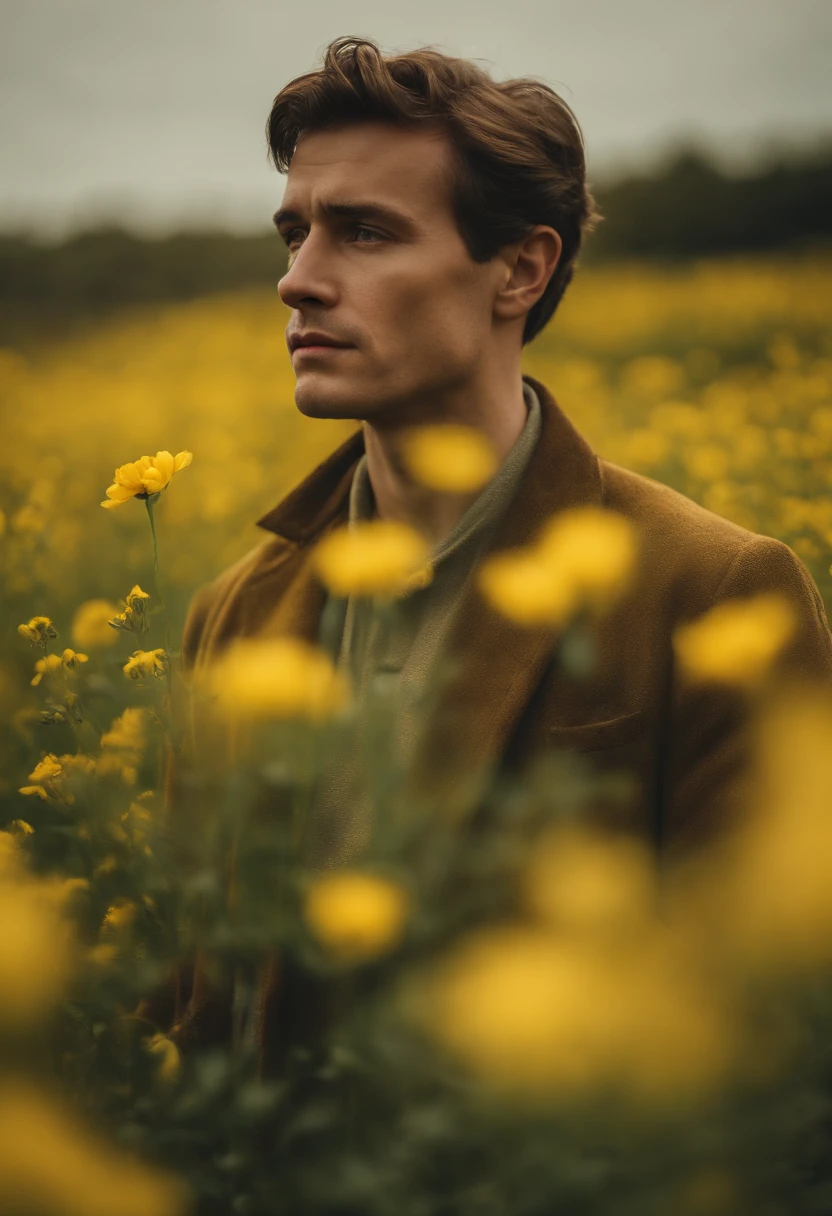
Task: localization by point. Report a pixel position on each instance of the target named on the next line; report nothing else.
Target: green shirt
(394, 652)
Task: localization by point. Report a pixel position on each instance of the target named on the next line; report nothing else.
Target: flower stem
(149, 503)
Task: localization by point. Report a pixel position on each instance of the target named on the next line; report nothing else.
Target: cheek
(427, 311)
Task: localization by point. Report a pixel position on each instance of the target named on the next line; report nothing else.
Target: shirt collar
(486, 509)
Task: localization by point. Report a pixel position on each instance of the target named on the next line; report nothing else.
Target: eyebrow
(350, 211)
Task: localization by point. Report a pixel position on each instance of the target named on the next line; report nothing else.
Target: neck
(495, 406)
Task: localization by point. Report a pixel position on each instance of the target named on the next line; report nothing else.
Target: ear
(529, 265)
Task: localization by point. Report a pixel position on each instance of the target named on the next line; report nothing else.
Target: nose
(309, 279)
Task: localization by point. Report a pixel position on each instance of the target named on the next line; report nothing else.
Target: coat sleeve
(708, 749)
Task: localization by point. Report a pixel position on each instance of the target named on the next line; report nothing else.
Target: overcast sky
(153, 111)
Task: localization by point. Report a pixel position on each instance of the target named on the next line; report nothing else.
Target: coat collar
(496, 665)
(323, 496)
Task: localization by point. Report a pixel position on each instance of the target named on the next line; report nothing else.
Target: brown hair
(518, 149)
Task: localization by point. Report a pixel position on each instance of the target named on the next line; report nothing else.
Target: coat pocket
(598, 736)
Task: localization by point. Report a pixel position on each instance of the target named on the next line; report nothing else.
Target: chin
(319, 396)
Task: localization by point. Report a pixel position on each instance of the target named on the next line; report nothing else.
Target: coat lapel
(318, 504)
(494, 665)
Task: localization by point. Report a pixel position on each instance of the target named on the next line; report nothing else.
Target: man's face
(377, 263)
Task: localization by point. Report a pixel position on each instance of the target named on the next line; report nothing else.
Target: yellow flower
(769, 888)
(120, 916)
(737, 641)
(448, 457)
(11, 857)
(378, 557)
(21, 827)
(134, 617)
(53, 775)
(144, 663)
(128, 732)
(38, 631)
(52, 664)
(355, 915)
(49, 665)
(169, 1060)
(652, 376)
(710, 462)
(593, 550)
(584, 558)
(101, 955)
(137, 817)
(145, 477)
(585, 881)
(72, 659)
(108, 866)
(522, 586)
(50, 1163)
(541, 1015)
(276, 678)
(35, 949)
(91, 624)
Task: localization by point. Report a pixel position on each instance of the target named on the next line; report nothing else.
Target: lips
(299, 341)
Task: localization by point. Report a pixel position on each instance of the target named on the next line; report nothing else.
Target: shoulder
(662, 513)
(697, 552)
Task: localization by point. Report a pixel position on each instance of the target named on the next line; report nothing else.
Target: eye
(363, 235)
(376, 236)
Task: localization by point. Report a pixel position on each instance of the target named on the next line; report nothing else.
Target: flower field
(466, 1029)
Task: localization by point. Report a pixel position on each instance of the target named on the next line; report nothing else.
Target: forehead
(405, 167)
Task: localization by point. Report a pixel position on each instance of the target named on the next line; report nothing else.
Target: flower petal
(119, 493)
(128, 475)
(181, 461)
(163, 462)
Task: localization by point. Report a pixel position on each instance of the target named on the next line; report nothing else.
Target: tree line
(687, 208)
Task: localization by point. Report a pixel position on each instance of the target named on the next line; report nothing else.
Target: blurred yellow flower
(91, 624)
(652, 376)
(647, 447)
(38, 631)
(448, 457)
(120, 916)
(11, 856)
(771, 890)
(50, 1163)
(356, 915)
(275, 678)
(145, 477)
(143, 663)
(706, 462)
(584, 559)
(52, 777)
(523, 586)
(737, 641)
(593, 550)
(53, 664)
(169, 1061)
(101, 955)
(588, 881)
(128, 732)
(378, 557)
(543, 1016)
(35, 949)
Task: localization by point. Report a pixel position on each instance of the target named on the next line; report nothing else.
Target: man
(433, 218)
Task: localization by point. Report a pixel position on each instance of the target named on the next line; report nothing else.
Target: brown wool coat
(685, 745)
(510, 696)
